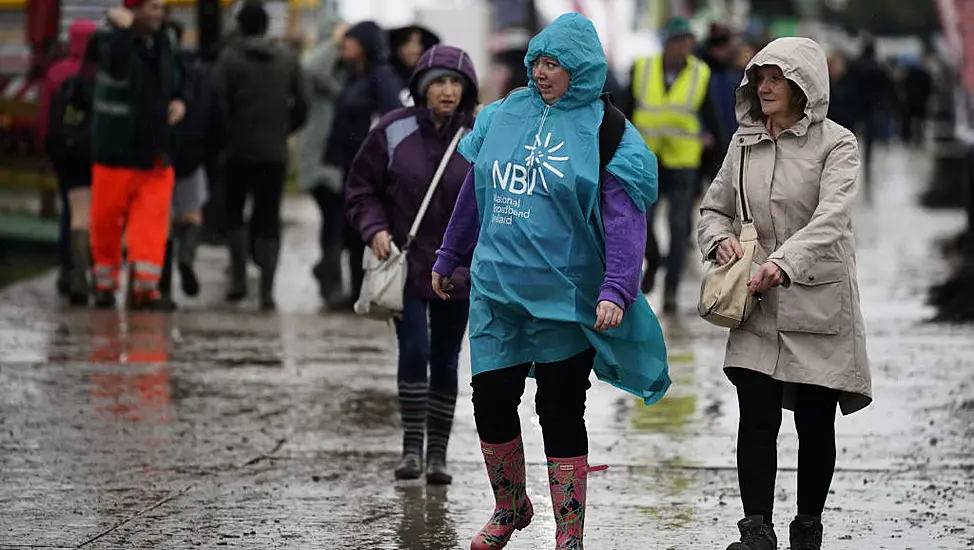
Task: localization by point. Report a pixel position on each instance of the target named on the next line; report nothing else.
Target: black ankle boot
(188, 236)
(237, 243)
(806, 533)
(266, 252)
(79, 289)
(755, 535)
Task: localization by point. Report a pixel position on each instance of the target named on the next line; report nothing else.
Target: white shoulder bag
(724, 297)
(385, 280)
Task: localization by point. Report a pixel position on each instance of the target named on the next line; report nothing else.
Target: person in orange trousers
(137, 100)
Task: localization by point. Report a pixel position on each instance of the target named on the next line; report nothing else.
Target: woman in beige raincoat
(804, 348)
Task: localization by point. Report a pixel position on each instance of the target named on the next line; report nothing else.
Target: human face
(680, 48)
(551, 78)
(150, 14)
(774, 92)
(444, 95)
(412, 50)
(352, 50)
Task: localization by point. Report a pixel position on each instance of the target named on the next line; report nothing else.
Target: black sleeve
(300, 97)
(116, 50)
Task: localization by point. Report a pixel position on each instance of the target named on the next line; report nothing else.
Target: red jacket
(78, 34)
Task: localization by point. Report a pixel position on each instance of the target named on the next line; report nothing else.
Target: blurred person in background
(200, 139)
(917, 88)
(876, 97)
(138, 99)
(673, 106)
(406, 46)
(794, 352)
(65, 132)
(266, 94)
(322, 67)
(385, 188)
(719, 51)
(842, 97)
(371, 91)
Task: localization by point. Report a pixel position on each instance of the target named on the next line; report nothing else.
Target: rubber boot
(413, 402)
(188, 235)
(512, 507)
(568, 480)
(439, 424)
(79, 289)
(266, 253)
(328, 273)
(806, 532)
(755, 535)
(165, 278)
(237, 244)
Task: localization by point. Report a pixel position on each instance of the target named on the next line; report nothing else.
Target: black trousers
(264, 184)
(560, 402)
(760, 399)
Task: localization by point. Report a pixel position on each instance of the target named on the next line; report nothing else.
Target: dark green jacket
(136, 81)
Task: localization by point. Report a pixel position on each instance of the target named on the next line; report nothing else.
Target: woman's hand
(767, 277)
(442, 286)
(607, 316)
(381, 244)
(728, 250)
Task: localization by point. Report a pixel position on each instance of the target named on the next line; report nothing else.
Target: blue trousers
(679, 188)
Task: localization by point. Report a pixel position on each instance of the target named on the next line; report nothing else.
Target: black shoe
(188, 237)
(755, 535)
(669, 302)
(410, 467)
(79, 289)
(188, 279)
(63, 284)
(158, 303)
(105, 299)
(806, 533)
(436, 473)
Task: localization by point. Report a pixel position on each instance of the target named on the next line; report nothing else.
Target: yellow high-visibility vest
(669, 119)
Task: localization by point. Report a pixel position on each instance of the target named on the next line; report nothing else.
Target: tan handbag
(724, 298)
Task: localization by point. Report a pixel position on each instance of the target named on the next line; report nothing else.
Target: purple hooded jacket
(393, 169)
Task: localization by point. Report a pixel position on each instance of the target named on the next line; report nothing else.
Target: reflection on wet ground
(222, 427)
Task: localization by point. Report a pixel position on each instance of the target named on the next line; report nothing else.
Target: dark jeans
(332, 208)
(64, 229)
(560, 403)
(430, 335)
(760, 398)
(264, 183)
(679, 187)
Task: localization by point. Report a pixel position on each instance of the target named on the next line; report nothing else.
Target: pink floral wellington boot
(567, 478)
(512, 509)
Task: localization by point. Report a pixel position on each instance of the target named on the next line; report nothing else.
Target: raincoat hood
(373, 41)
(78, 34)
(398, 37)
(803, 62)
(447, 57)
(571, 39)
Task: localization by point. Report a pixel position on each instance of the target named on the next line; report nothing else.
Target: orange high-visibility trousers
(139, 201)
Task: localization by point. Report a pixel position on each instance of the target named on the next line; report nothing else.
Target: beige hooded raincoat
(801, 188)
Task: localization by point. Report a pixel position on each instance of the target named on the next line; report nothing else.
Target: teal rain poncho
(540, 258)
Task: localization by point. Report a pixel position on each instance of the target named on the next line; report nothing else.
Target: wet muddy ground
(219, 426)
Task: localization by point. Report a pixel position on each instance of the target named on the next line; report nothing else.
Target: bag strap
(744, 206)
(611, 130)
(433, 185)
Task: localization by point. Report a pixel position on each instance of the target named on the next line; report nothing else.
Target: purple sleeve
(461, 235)
(625, 243)
(365, 187)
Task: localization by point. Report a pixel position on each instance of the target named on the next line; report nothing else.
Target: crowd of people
(535, 236)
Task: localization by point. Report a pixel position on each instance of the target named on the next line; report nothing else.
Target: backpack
(68, 138)
(611, 130)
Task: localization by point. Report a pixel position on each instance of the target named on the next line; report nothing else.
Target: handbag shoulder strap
(433, 185)
(744, 206)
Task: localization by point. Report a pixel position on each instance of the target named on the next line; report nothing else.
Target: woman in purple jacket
(383, 193)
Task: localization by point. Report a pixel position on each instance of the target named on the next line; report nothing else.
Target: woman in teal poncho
(556, 256)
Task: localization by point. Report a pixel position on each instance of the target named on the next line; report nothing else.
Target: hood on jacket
(572, 40)
(455, 59)
(373, 41)
(78, 34)
(803, 62)
(398, 37)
